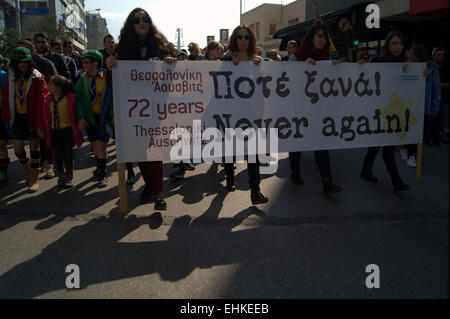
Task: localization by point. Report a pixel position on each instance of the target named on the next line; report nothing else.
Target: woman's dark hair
(15, 67)
(420, 52)
(167, 50)
(63, 83)
(212, 45)
(129, 42)
(313, 30)
(387, 54)
(233, 47)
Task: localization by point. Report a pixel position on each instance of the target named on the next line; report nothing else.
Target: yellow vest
(63, 114)
(99, 84)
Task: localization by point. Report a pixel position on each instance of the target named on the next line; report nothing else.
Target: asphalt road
(214, 244)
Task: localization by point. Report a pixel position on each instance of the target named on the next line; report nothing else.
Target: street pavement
(215, 244)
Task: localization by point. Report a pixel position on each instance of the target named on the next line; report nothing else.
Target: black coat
(60, 63)
(44, 66)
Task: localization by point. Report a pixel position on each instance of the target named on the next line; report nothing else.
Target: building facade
(97, 28)
(7, 14)
(70, 12)
(266, 19)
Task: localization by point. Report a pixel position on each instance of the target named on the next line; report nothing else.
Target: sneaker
(49, 172)
(102, 182)
(330, 188)
(404, 154)
(411, 162)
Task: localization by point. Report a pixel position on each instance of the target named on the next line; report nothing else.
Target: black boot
(231, 185)
(160, 203)
(399, 186)
(257, 197)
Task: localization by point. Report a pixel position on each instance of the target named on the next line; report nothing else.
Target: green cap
(180, 52)
(93, 54)
(21, 54)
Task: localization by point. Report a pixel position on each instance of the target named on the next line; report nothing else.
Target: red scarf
(306, 52)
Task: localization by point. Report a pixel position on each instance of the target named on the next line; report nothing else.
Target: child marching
(24, 95)
(95, 109)
(61, 127)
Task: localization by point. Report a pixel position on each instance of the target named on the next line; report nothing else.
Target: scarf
(305, 52)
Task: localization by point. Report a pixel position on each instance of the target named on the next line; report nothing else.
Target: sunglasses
(241, 37)
(86, 62)
(139, 20)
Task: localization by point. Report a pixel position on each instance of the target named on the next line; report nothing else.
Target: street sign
(344, 25)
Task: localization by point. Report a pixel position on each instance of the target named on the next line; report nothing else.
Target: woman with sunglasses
(314, 48)
(243, 48)
(140, 40)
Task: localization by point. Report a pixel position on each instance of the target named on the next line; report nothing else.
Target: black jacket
(60, 64)
(72, 68)
(105, 56)
(44, 66)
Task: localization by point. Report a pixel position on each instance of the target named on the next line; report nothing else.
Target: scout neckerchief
(20, 93)
(55, 111)
(92, 87)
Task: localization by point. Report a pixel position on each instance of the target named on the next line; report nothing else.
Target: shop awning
(435, 8)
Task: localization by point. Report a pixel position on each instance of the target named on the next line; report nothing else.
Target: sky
(197, 18)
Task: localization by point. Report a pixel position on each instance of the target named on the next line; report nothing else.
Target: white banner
(313, 107)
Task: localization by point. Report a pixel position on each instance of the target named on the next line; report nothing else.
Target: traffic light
(355, 43)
